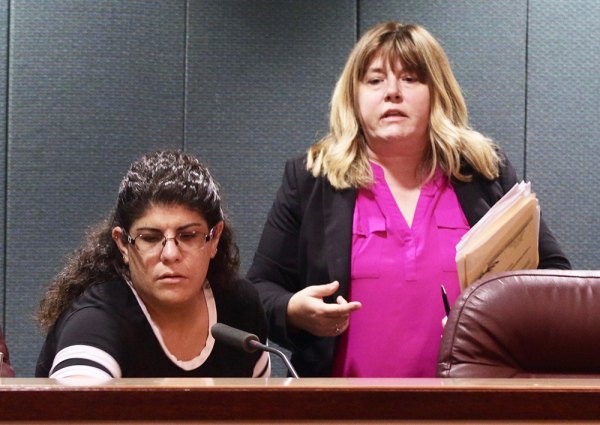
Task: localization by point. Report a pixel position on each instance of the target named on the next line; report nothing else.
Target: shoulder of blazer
(313, 189)
(477, 196)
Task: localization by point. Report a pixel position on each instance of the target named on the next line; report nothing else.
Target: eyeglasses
(152, 242)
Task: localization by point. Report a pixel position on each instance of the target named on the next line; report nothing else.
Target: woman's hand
(306, 310)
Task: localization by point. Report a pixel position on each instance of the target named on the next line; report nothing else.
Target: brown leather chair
(529, 323)
(6, 370)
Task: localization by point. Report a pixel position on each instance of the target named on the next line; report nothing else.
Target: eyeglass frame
(207, 238)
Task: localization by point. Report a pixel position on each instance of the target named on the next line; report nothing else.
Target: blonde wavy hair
(342, 156)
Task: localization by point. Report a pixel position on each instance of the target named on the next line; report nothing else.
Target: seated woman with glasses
(139, 299)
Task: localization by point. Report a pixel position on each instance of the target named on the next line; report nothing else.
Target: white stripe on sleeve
(90, 353)
(79, 371)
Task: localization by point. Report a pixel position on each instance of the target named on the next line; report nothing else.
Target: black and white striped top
(107, 332)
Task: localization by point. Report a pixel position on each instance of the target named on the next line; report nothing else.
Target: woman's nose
(171, 250)
(393, 92)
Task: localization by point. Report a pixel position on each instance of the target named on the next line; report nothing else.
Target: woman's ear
(117, 235)
(218, 229)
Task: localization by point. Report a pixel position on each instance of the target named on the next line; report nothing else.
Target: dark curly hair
(159, 178)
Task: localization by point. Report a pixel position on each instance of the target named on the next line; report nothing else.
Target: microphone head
(234, 337)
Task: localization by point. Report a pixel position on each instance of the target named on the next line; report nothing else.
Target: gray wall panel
(92, 86)
(3, 117)
(563, 127)
(259, 83)
(485, 42)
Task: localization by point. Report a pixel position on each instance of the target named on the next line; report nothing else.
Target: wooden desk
(297, 400)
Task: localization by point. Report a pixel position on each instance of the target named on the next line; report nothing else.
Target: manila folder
(508, 241)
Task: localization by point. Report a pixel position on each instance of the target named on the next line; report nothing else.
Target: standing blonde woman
(374, 211)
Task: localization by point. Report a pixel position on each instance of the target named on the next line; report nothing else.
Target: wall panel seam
(5, 188)
(525, 135)
(186, 26)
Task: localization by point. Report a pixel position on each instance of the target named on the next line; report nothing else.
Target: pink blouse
(396, 273)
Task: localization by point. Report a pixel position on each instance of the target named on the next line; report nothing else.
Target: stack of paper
(506, 237)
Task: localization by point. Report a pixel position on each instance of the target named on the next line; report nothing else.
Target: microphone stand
(257, 345)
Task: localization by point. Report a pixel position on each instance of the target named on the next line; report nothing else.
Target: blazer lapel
(338, 209)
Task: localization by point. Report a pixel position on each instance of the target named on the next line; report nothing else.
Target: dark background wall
(89, 86)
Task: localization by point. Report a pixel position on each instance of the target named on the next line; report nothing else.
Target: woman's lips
(171, 278)
(393, 115)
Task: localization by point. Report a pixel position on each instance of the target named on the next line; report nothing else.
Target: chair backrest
(6, 370)
(529, 323)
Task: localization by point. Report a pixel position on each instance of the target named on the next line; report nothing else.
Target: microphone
(247, 342)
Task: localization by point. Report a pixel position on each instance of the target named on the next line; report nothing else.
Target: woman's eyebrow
(186, 226)
(376, 70)
(156, 229)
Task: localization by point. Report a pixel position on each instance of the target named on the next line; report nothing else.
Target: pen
(445, 299)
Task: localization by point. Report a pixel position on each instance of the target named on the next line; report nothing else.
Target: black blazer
(307, 240)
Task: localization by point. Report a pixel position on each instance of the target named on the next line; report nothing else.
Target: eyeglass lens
(153, 242)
